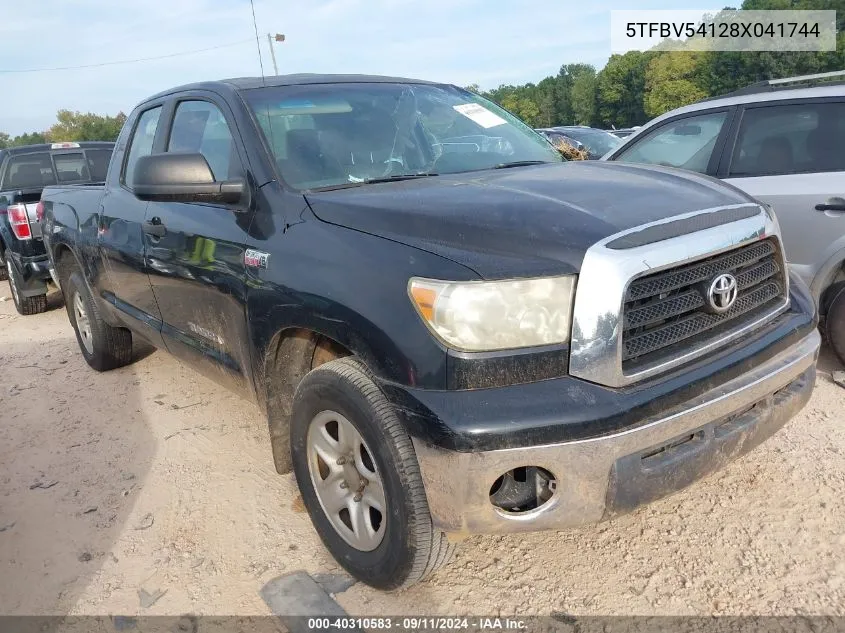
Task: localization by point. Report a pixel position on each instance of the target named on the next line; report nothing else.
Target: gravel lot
(152, 479)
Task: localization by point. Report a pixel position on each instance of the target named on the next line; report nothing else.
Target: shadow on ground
(68, 478)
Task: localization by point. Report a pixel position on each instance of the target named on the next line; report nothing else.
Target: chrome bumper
(601, 477)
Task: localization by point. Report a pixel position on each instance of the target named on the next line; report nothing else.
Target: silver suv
(782, 141)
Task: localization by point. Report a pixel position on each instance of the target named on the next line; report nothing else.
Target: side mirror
(183, 178)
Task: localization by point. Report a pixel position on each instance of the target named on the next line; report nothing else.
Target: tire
(26, 306)
(834, 322)
(410, 547)
(4, 274)
(104, 347)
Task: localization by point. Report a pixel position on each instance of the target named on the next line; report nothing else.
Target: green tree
(31, 138)
(523, 107)
(547, 102)
(5, 140)
(76, 126)
(620, 88)
(583, 96)
(673, 80)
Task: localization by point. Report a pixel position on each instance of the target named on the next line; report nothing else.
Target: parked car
(24, 171)
(597, 143)
(479, 340)
(782, 142)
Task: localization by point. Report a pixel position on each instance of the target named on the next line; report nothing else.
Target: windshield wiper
(369, 181)
(521, 163)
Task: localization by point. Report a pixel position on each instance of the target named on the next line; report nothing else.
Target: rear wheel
(104, 347)
(360, 480)
(24, 305)
(4, 274)
(834, 322)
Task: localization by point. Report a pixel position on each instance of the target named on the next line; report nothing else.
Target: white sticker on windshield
(480, 115)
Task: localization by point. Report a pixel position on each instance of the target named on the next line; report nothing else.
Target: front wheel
(834, 322)
(360, 480)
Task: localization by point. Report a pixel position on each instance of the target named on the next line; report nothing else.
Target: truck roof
(249, 83)
(48, 147)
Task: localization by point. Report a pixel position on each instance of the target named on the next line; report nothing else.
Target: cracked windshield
(327, 136)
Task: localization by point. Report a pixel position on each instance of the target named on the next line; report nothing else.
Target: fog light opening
(523, 489)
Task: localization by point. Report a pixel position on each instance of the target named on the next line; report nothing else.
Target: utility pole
(279, 37)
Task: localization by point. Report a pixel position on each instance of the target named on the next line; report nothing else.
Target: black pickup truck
(451, 330)
(24, 171)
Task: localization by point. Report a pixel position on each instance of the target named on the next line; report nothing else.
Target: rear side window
(790, 139)
(29, 171)
(98, 163)
(200, 127)
(71, 167)
(141, 143)
(686, 143)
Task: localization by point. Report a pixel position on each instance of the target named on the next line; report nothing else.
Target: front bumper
(600, 477)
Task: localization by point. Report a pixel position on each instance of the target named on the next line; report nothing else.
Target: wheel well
(291, 355)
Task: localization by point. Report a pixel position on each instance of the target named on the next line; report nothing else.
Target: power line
(127, 61)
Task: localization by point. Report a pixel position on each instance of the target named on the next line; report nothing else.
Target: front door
(790, 156)
(196, 266)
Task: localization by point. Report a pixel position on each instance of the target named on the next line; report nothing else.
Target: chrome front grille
(669, 310)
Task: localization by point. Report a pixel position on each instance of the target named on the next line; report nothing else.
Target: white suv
(782, 141)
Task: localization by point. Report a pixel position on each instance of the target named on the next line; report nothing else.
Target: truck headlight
(479, 316)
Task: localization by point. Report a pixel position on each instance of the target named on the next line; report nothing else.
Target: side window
(142, 142)
(686, 143)
(790, 139)
(200, 127)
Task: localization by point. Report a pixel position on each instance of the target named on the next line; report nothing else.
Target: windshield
(597, 142)
(327, 135)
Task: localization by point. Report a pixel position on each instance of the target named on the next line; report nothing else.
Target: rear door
(124, 282)
(790, 155)
(197, 265)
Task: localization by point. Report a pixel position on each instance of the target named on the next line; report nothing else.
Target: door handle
(832, 204)
(154, 227)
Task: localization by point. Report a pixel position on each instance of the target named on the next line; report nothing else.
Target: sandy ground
(152, 479)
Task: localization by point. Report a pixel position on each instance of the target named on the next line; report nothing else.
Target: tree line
(637, 86)
(70, 126)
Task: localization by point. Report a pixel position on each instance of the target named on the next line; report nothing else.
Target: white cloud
(488, 42)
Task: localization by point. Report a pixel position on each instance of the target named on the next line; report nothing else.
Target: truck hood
(524, 221)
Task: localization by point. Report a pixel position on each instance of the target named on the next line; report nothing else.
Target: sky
(485, 42)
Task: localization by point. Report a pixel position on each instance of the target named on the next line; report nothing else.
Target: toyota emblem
(722, 293)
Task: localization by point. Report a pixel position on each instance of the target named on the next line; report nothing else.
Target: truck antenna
(257, 43)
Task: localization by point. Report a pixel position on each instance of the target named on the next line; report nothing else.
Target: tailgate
(34, 224)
